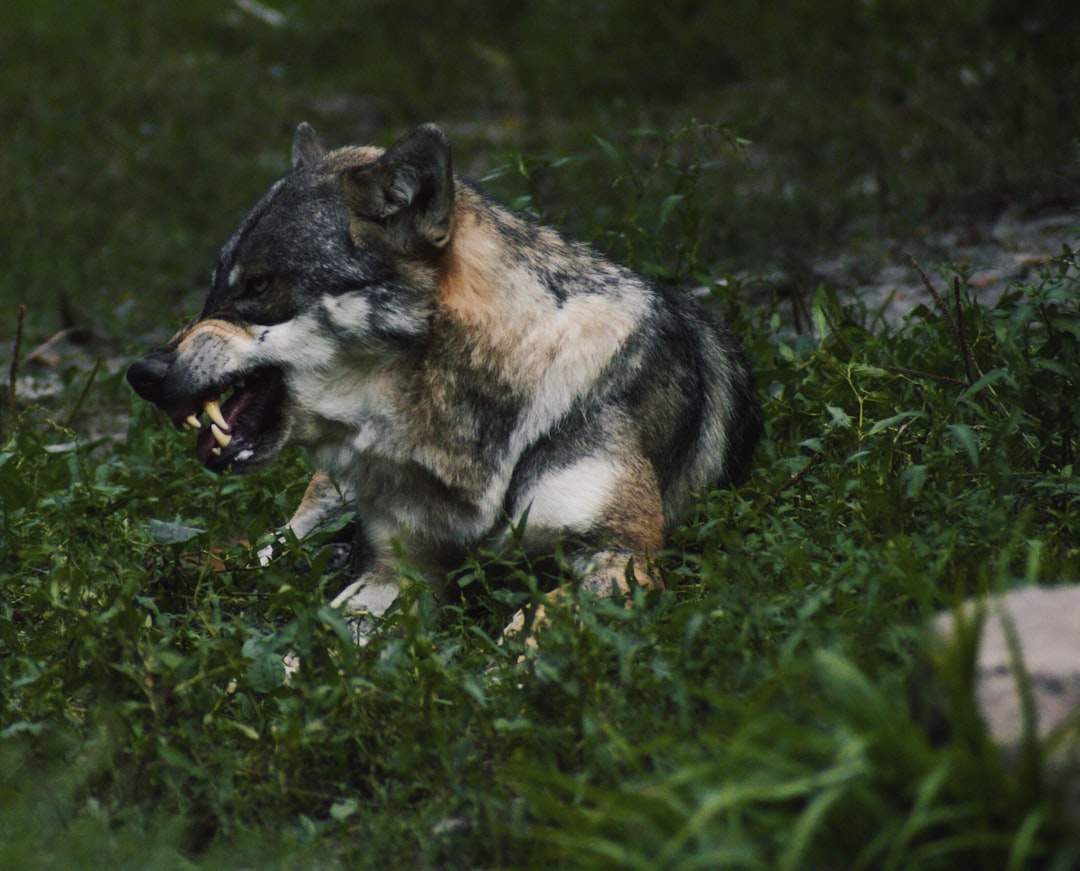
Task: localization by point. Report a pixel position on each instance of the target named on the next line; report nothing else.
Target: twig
(945, 310)
(261, 11)
(798, 476)
(41, 350)
(915, 373)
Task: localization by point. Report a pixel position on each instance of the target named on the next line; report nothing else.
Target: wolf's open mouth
(240, 418)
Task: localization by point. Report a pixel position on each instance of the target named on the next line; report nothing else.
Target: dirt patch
(993, 255)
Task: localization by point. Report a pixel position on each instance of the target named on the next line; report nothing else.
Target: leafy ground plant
(757, 714)
(773, 708)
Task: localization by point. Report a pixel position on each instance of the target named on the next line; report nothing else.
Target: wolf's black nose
(147, 375)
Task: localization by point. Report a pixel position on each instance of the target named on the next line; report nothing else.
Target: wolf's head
(337, 263)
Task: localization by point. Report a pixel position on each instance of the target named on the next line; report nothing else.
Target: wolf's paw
(276, 546)
(522, 628)
(361, 628)
(363, 602)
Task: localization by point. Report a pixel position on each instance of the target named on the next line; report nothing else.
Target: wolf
(458, 374)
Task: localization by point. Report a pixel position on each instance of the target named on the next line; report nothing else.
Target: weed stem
(965, 349)
(13, 373)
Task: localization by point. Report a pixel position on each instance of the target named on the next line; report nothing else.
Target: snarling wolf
(455, 371)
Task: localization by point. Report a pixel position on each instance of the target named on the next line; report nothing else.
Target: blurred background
(689, 137)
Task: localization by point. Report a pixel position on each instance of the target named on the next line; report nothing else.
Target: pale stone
(1040, 627)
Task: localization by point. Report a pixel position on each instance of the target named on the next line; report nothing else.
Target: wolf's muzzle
(147, 376)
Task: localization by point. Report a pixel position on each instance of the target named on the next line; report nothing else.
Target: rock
(1040, 627)
(998, 255)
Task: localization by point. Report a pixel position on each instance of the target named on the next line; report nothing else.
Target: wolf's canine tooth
(216, 452)
(222, 438)
(213, 411)
(193, 422)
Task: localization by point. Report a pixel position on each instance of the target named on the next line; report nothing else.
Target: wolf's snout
(147, 376)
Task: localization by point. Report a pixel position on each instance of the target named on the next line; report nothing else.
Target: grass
(776, 707)
(755, 715)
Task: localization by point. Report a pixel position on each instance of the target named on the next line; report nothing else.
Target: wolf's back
(689, 387)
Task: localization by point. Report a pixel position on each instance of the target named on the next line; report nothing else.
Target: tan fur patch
(321, 497)
(518, 327)
(350, 157)
(632, 522)
(211, 330)
(635, 515)
(468, 271)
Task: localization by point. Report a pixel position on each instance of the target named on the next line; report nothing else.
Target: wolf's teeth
(216, 452)
(193, 422)
(222, 438)
(213, 411)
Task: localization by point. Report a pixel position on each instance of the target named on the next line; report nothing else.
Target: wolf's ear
(411, 189)
(306, 147)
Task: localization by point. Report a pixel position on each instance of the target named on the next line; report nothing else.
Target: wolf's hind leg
(608, 572)
(611, 572)
(615, 504)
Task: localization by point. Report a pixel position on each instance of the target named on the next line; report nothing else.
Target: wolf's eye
(257, 284)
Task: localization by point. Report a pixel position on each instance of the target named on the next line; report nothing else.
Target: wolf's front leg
(323, 502)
